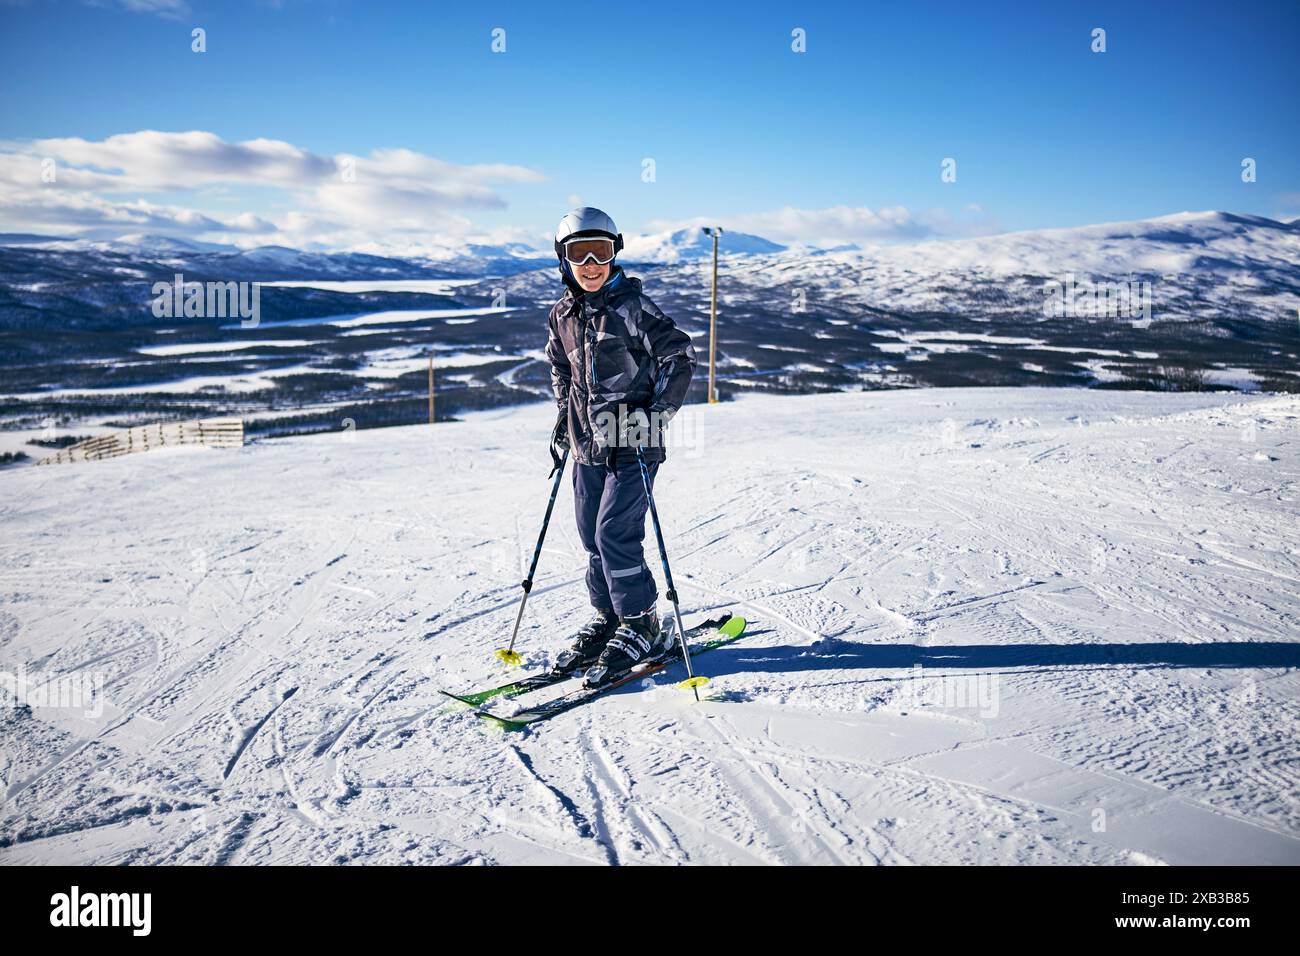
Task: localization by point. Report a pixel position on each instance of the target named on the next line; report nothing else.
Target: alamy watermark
(75, 908)
(953, 692)
(75, 691)
(208, 300)
(624, 427)
(1073, 299)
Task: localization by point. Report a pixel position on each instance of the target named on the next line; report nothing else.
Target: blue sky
(843, 142)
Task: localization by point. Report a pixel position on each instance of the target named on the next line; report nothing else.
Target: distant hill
(684, 245)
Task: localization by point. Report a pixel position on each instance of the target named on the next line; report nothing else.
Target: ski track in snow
(1099, 589)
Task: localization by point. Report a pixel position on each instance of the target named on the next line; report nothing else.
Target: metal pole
(713, 324)
(509, 653)
(430, 389)
(668, 574)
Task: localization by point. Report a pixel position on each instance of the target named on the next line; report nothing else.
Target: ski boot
(637, 639)
(588, 643)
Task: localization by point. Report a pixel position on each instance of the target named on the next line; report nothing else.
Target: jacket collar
(616, 286)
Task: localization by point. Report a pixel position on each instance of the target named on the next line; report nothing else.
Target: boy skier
(620, 369)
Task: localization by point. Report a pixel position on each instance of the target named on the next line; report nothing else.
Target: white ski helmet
(587, 221)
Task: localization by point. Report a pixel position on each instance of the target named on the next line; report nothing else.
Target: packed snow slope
(986, 626)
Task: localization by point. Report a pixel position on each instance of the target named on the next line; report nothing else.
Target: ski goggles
(585, 248)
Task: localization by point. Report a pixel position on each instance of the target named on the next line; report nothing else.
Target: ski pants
(611, 506)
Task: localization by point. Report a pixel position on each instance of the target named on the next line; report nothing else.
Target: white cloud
(77, 212)
(172, 9)
(262, 191)
(339, 200)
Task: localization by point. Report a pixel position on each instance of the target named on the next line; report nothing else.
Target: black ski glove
(559, 441)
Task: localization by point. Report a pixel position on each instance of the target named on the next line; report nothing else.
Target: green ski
(731, 630)
(542, 679)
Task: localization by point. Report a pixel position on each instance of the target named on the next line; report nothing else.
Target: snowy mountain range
(1219, 243)
(1110, 304)
(680, 245)
(1186, 301)
(690, 244)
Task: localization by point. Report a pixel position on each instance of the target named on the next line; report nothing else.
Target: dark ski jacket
(613, 351)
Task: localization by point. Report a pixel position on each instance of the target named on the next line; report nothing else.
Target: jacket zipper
(583, 325)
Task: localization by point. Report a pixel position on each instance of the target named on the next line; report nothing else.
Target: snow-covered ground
(987, 626)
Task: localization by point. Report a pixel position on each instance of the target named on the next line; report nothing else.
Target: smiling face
(591, 276)
(591, 258)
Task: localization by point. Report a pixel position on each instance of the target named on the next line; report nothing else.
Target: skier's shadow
(836, 654)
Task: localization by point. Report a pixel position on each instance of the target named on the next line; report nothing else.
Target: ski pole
(508, 654)
(691, 681)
